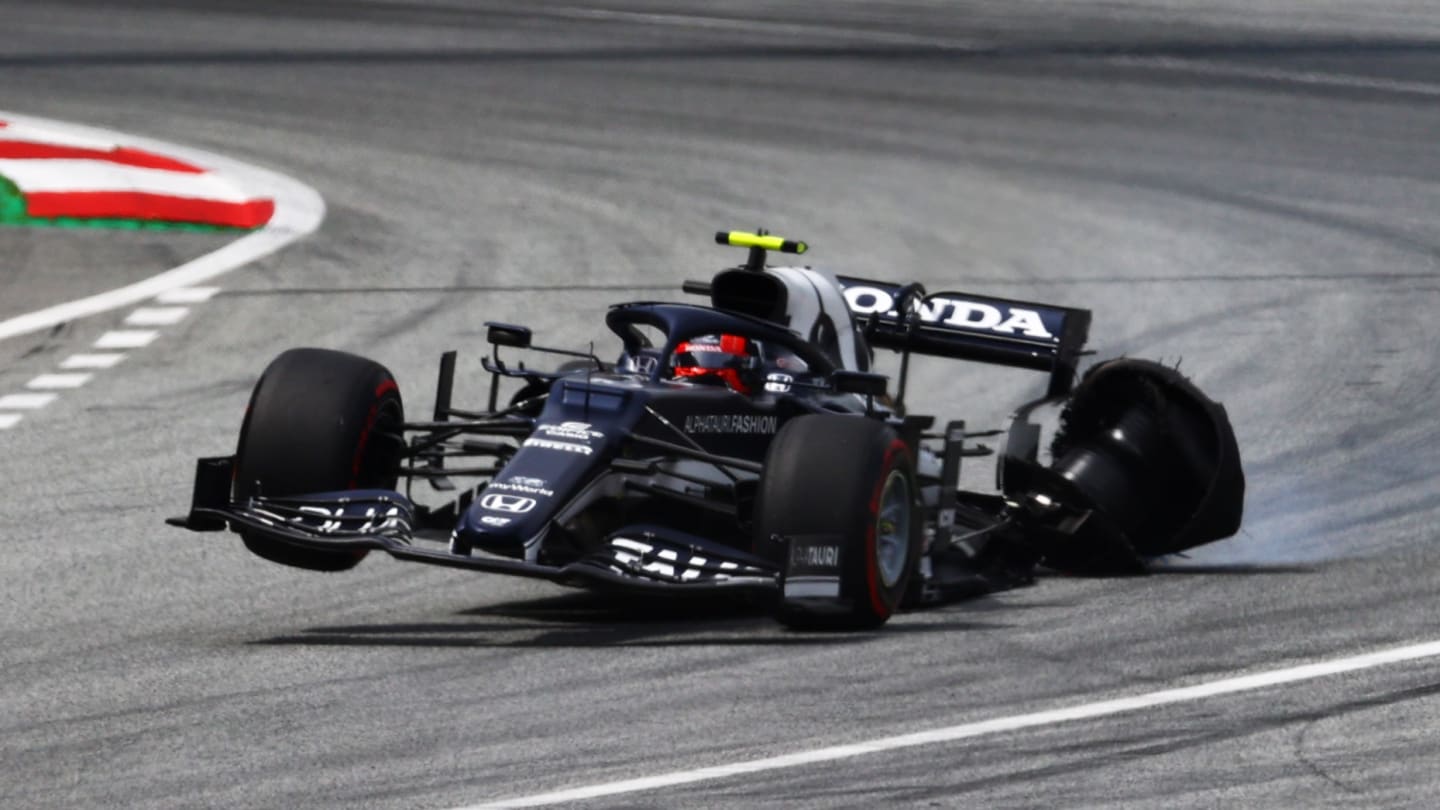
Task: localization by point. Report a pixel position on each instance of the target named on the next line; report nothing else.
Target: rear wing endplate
(1023, 334)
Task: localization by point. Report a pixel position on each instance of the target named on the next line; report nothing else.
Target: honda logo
(514, 504)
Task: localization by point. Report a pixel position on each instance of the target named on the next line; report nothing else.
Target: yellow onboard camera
(758, 244)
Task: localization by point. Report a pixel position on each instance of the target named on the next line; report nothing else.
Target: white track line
(25, 402)
(117, 339)
(56, 381)
(126, 339)
(187, 295)
(1083, 711)
(91, 361)
(157, 316)
(298, 212)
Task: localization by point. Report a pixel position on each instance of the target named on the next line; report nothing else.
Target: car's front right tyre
(318, 421)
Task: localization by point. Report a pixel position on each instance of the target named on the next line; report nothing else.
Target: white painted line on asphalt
(157, 316)
(999, 725)
(53, 381)
(91, 361)
(298, 212)
(187, 295)
(9, 420)
(127, 339)
(26, 402)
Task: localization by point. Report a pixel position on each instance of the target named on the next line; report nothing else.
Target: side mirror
(504, 334)
(859, 382)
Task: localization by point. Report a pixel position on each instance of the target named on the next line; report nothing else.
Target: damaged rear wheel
(1152, 460)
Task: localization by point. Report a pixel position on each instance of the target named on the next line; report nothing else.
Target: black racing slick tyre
(318, 421)
(837, 504)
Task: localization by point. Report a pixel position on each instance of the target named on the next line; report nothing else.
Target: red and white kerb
(62, 174)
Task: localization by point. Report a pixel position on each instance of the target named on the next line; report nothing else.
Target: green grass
(12, 203)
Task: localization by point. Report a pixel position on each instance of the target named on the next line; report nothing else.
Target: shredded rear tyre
(1154, 458)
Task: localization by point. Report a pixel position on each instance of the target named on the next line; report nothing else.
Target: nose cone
(506, 514)
(509, 516)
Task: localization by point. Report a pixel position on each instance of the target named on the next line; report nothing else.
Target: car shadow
(590, 619)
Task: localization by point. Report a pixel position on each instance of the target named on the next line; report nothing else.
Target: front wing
(636, 558)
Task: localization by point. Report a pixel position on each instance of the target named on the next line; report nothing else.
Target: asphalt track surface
(1249, 189)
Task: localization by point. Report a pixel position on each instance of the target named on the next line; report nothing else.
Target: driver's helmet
(731, 359)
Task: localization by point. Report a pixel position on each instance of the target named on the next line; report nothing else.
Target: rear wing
(964, 326)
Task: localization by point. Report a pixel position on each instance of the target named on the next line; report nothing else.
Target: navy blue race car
(746, 445)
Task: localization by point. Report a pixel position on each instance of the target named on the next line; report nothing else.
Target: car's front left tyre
(838, 496)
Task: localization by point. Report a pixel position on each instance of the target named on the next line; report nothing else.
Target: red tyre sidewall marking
(380, 391)
(872, 562)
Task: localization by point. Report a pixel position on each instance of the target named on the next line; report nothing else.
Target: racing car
(744, 445)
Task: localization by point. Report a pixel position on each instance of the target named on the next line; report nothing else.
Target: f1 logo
(514, 504)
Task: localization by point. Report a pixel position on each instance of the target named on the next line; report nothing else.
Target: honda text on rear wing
(1024, 334)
